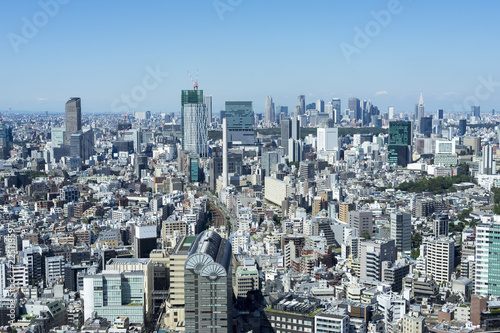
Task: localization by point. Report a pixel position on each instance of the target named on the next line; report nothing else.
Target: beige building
(413, 324)
(247, 279)
(175, 304)
(344, 209)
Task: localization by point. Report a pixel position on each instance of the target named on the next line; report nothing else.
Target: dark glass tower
(73, 117)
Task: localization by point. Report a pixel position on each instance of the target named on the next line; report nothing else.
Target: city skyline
(149, 54)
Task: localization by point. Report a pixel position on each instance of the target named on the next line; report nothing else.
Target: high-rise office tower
(337, 106)
(401, 231)
(82, 144)
(440, 114)
(6, 141)
(239, 116)
(269, 158)
(487, 257)
(269, 115)
(73, 117)
(462, 127)
(487, 166)
(391, 112)
(320, 105)
(301, 103)
(194, 122)
(140, 163)
(420, 110)
(295, 128)
(208, 285)
(286, 133)
(400, 142)
(207, 100)
(426, 126)
(295, 150)
(355, 107)
(476, 111)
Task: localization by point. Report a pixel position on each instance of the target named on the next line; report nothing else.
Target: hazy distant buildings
(239, 117)
(355, 107)
(420, 111)
(301, 103)
(476, 111)
(73, 117)
(426, 126)
(269, 116)
(337, 107)
(462, 127)
(194, 122)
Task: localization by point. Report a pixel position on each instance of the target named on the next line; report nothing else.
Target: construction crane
(122, 132)
(195, 83)
(4, 114)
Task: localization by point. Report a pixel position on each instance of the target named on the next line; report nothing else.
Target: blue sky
(102, 50)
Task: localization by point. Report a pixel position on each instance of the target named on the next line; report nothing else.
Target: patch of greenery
(435, 185)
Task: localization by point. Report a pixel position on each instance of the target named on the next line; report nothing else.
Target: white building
(328, 139)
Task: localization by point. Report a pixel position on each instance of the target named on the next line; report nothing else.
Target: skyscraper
(426, 126)
(295, 128)
(240, 118)
(207, 100)
(440, 114)
(487, 166)
(476, 111)
(391, 112)
(354, 106)
(194, 122)
(400, 141)
(401, 231)
(286, 133)
(320, 105)
(208, 285)
(462, 127)
(337, 107)
(420, 110)
(73, 117)
(269, 116)
(301, 103)
(6, 141)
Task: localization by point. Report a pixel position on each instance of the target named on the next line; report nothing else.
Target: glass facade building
(111, 294)
(240, 121)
